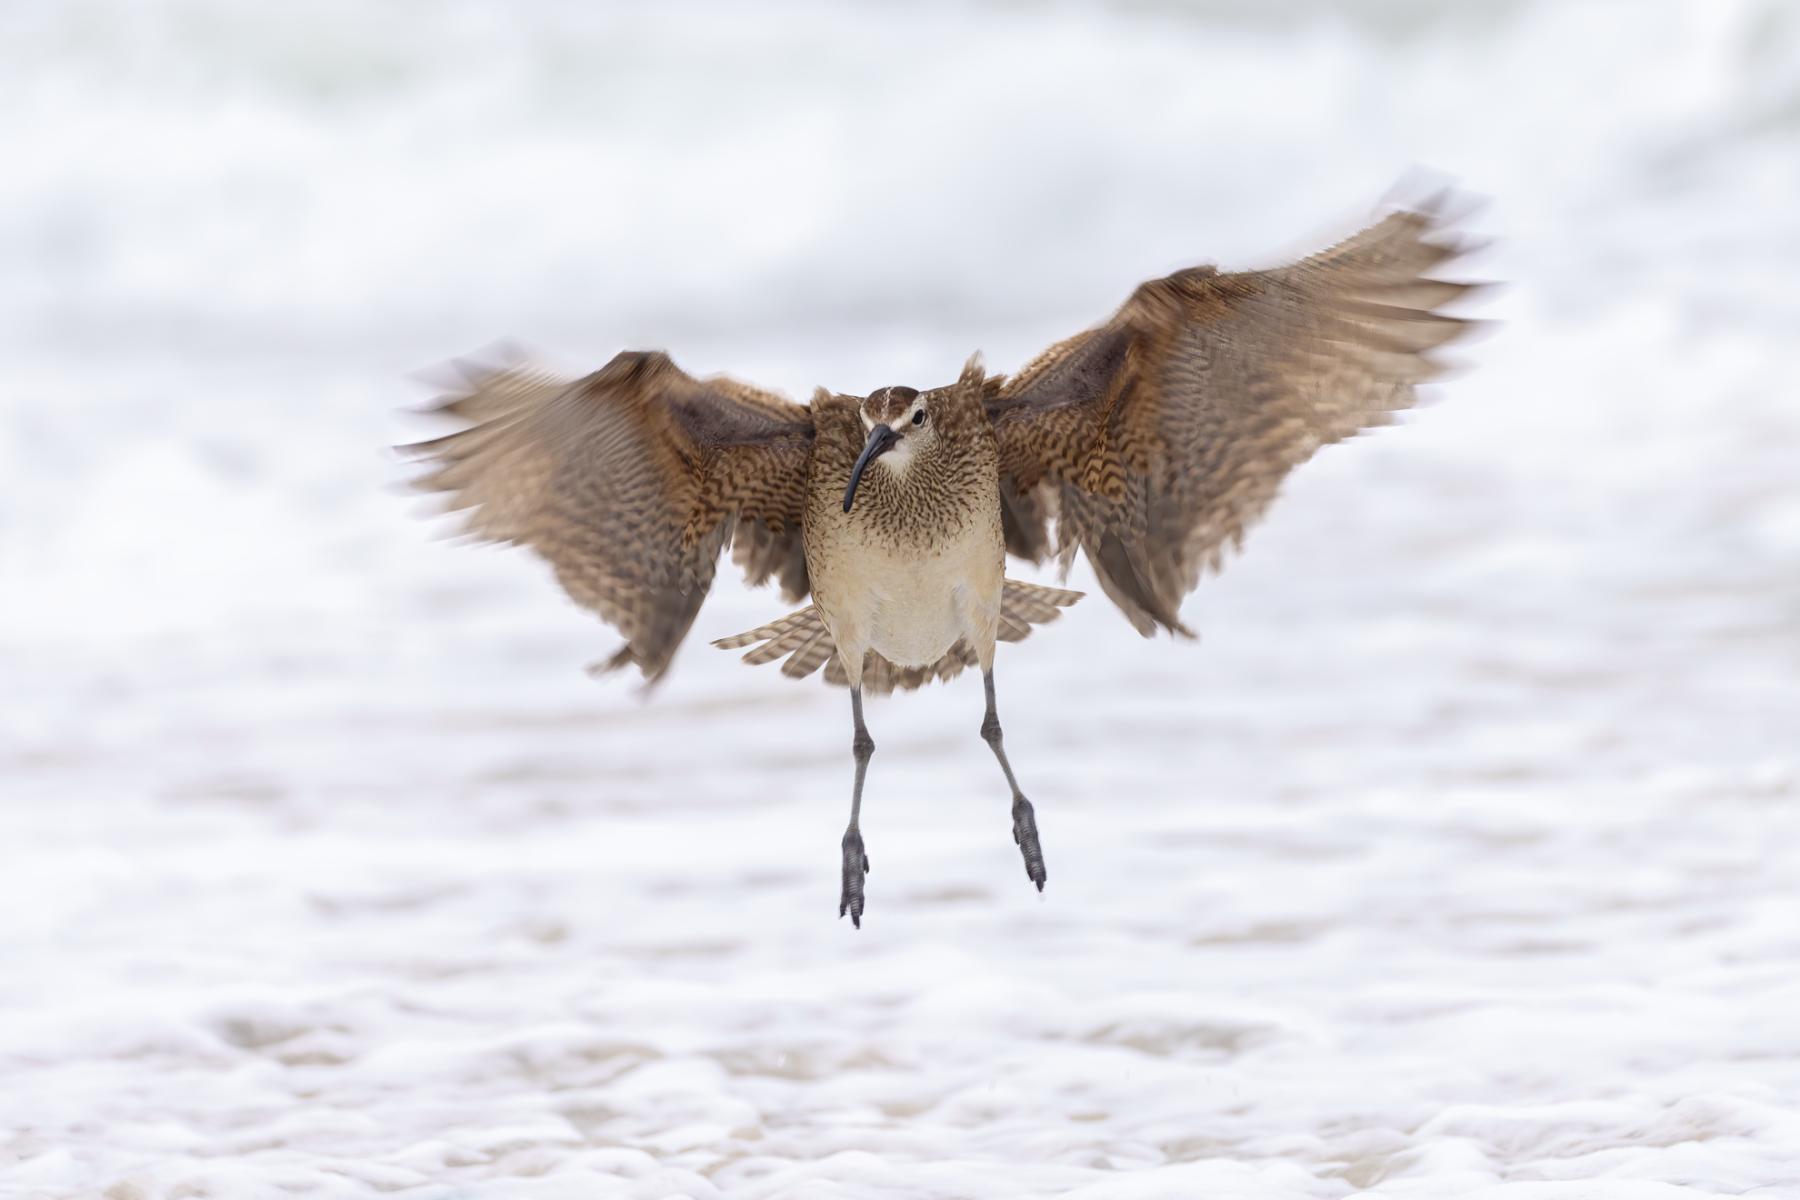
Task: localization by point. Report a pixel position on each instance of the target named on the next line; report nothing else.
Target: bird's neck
(922, 495)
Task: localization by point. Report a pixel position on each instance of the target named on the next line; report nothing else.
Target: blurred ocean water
(1457, 858)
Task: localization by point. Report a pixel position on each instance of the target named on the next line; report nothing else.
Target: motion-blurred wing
(1156, 439)
(630, 482)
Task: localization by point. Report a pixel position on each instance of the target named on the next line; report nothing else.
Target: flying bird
(1148, 444)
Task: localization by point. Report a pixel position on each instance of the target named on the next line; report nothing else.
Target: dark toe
(1026, 836)
(856, 865)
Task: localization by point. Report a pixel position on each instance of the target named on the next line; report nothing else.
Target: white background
(1456, 859)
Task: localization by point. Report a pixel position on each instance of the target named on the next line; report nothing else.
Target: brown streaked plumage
(1149, 443)
(630, 482)
(1160, 436)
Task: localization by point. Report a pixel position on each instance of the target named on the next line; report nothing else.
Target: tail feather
(801, 637)
(777, 638)
(810, 656)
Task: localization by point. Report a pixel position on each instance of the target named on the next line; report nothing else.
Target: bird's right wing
(630, 482)
(1156, 439)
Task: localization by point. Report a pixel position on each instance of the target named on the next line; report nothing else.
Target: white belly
(916, 608)
(911, 604)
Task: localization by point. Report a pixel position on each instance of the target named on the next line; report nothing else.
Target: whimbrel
(1148, 443)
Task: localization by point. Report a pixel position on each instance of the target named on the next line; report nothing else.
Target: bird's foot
(856, 865)
(1026, 835)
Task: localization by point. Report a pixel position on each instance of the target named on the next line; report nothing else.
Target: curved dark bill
(881, 439)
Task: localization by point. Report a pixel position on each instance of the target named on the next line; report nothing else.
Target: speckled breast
(901, 572)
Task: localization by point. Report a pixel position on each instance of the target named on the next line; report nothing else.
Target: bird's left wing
(630, 482)
(1156, 439)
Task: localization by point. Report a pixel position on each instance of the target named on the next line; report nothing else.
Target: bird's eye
(919, 417)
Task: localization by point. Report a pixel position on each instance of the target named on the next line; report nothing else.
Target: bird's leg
(1024, 820)
(856, 862)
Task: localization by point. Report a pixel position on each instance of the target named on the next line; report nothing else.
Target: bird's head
(898, 422)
